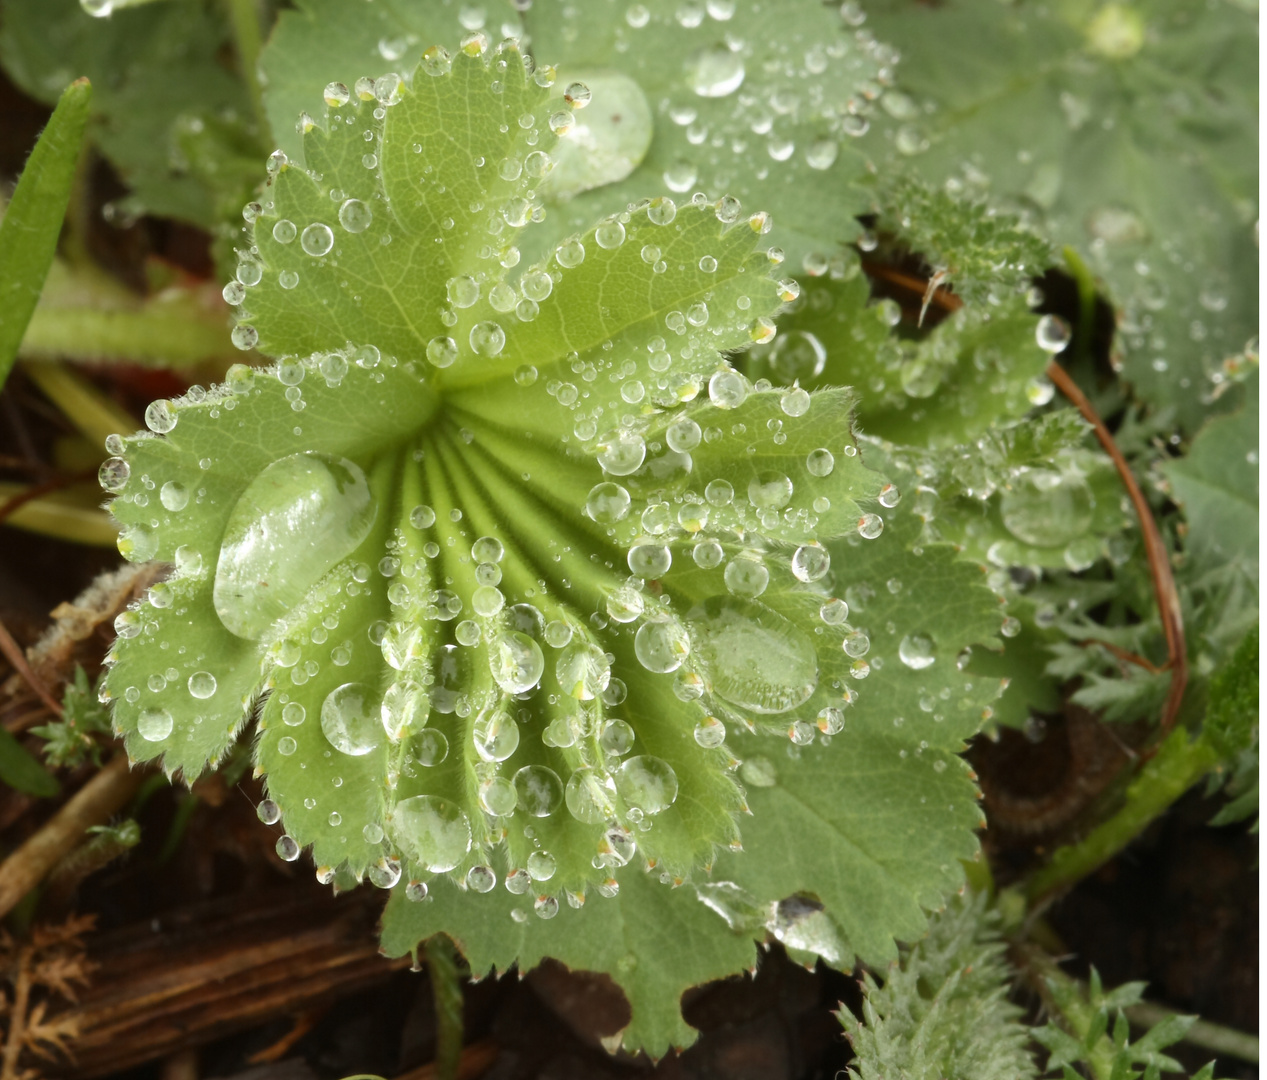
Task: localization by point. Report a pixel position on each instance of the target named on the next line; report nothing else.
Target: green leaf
(776, 95)
(1139, 151)
(1216, 483)
(341, 43)
(983, 254)
(943, 1011)
(655, 941)
(20, 771)
(1231, 725)
(170, 117)
(978, 367)
(513, 562)
(33, 220)
(761, 102)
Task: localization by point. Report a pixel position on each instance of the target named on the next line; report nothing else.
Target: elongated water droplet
(296, 520)
(754, 657)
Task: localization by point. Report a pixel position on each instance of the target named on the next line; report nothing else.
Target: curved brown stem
(1168, 609)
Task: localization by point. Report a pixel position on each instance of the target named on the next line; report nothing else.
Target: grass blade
(33, 221)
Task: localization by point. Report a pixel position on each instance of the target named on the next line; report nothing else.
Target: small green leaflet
(1125, 131)
(171, 118)
(509, 558)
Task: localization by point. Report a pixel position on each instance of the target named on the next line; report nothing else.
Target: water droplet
(296, 520)
(495, 735)
(647, 783)
(138, 543)
(649, 560)
(810, 562)
(113, 474)
(317, 240)
(610, 234)
(680, 177)
(870, 526)
(540, 790)
(431, 832)
(487, 338)
(1046, 508)
(715, 72)
(795, 402)
(174, 496)
(727, 389)
(662, 646)
(337, 95)
(515, 661)
(822, 154)
(583, 671)
(497, 796)
(917, 651)
(160, 417)
(287, 848)
(662, 210)
(570, 253)
(746, 575)
(481, 879)
(710, 733)
(607, 503)
(154, 725)
(754, 657)
(351, 719)
(590, 796)
(1052, 333)
(202, 684)
(268, 812)
(355, 216)
(621, 452)
(770, 490)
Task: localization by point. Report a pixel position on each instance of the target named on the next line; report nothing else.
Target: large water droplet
(516, 662)
(1047, 508)
(647, 783)
(351, 719)
(755, 658)
(917, 651)
(294, 521)
(590, 796)
(662, 646)
(431, 832)
(496, 735)
(154, 725)
(583, 671)
(540, 790)
(716, 72)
